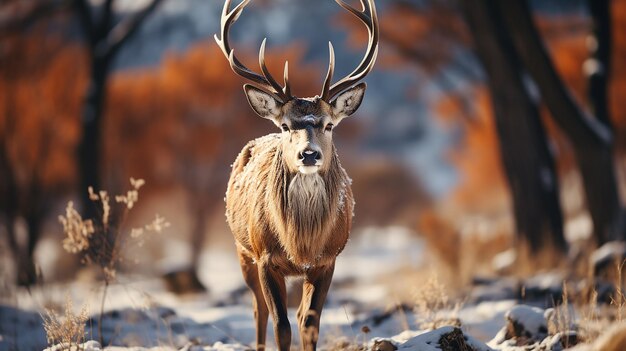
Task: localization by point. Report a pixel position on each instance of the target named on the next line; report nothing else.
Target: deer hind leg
(314, 291)
(251, 276)
(275, 292)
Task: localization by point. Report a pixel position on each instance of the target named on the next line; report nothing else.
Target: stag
(289, 203)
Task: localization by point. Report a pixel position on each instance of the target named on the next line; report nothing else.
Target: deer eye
(285, 128)
(329, 127)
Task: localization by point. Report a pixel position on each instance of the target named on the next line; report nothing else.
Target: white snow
(532, 318)
(430, 341)
(377, 251)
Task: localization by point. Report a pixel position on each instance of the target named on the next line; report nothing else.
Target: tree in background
(591, 137)
(104, 36)
(528, 163)
(431, 35)
(37, 134)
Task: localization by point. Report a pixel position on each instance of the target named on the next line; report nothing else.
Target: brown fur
(302, 221)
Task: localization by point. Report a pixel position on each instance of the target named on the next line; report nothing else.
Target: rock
(526, 322)
(492, 289)
(383, 345)
(532, 328)
(92, 345)
(545, 288)
(183, 281)
(603, 260)
(525, 325)
(568, 339)
(605, 291)
(504, 262)
(454, 340)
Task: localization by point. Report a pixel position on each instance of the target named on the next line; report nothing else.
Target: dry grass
(467, 248)
(464, 248)
(100, 240)
(433, 306)
(618, 301)
(68, 330)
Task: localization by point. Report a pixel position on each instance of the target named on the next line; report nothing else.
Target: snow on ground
(141, 312)
(430, 341)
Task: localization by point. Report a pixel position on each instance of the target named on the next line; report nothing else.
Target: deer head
(306, 123)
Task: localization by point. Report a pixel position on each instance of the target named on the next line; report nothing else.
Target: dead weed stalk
(619, 299)
(69, 330)
(100, 240)
(433, 306)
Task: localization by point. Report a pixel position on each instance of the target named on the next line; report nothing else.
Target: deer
(289, 203)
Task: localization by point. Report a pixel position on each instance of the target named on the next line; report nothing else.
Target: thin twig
(104, 295)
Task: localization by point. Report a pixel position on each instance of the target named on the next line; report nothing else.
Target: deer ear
(263, 103)
(346, 103)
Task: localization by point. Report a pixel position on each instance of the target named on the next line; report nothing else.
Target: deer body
(289, 203)
(299, 221)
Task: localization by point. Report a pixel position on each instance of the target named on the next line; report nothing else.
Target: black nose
(309, 157)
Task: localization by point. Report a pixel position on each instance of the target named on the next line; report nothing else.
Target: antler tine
(287, 88)
(228, 18)
(266, 82)
(246, 73)
(359, 14)
(329, 74)
(369, 17)
(266, 73)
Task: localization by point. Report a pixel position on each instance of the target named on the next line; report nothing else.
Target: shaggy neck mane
(306, 208)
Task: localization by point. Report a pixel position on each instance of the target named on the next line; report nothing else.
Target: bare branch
(83, 9)
(597, 67)
(104, 24)
(567, 114)
(17, 16)
(125, 29)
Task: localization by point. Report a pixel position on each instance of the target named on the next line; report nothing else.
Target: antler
(265, 81)
(369, 17)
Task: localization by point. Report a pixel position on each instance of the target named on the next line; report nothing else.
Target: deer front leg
(275, 293)
(251, 276)
(314, 291)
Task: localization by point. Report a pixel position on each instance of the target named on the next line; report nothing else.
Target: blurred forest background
(488, 125)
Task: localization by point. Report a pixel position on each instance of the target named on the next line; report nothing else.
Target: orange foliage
(39, 110)
(424, 33)
(618, 72)
(482, 186)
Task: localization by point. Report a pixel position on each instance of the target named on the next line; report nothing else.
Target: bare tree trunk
(598, 66)
(89, 148)
(26, 261)
(528, 163)
(12, 203)
(592, 138)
